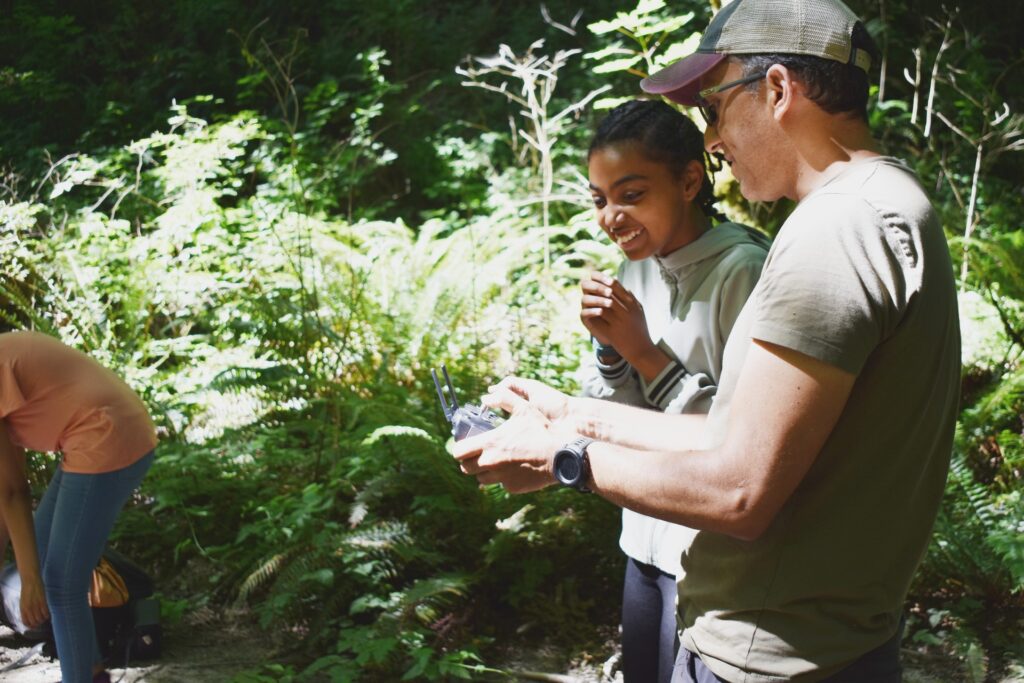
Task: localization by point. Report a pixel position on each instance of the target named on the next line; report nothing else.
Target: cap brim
(680, 81)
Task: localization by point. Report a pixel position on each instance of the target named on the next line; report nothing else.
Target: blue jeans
(72, 524)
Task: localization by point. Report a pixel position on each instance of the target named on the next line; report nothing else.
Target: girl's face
(642, 206)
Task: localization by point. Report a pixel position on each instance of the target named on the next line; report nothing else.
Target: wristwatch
(571, 465)
(606, 353)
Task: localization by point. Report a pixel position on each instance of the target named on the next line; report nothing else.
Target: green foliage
(640, 42)
(972, 577)
(279, 266)
(653, 40)
(78, 79)
(286, 358)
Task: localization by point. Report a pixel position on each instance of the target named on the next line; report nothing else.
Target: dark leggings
(649, 638)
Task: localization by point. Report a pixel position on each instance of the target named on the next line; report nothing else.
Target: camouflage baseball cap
(818, 28)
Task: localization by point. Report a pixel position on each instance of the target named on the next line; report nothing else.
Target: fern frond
(384, 536)
(427, 598)
(262, 574)
(239, 379)
(976, 493)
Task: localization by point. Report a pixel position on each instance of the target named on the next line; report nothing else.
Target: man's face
(742, 130)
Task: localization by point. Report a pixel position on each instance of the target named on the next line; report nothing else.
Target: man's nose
(712, 143)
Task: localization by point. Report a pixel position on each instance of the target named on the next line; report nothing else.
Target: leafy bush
(243, 268)
(285, 356)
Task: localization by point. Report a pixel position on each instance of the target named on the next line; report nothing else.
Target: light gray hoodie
(691, 299)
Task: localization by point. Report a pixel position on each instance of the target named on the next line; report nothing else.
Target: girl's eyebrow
(623, 179)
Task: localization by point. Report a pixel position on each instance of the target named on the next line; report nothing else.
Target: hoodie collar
(711, 243)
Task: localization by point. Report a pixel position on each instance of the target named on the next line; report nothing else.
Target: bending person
(816, 477)
(54, 398)
(682, 284)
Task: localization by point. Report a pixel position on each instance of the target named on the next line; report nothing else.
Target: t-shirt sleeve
(833, 287)
(736, 289)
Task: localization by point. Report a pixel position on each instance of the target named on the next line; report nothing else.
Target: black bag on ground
(127, 632)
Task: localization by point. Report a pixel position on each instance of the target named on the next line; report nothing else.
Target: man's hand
(519, 452)
(511, 393)
(614, 316)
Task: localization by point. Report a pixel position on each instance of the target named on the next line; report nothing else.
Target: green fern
(240, 379)
(263, 574)
(977, 495)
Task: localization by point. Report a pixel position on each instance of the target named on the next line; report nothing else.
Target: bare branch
(578, 106)
(537, 76)
(1001, 115)
(948, 176)
(1015, 146)
(570, 29)
(918, 60)
(1015, 335)
(953, 127)
(111, 187)
(935, 72)
(885, 52)
(498, 89)
(969, 227)
(53, 169)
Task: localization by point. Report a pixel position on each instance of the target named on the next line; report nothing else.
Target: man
(817, 475)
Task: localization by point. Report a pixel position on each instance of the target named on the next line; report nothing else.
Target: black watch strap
(572, 464)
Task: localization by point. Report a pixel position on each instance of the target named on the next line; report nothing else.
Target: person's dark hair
(835, 87)
(665, 136)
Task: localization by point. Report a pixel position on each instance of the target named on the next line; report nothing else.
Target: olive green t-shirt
(859, 277)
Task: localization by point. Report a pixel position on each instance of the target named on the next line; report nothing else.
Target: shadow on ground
(203, 649)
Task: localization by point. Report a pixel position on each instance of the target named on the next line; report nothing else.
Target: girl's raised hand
(614, 316)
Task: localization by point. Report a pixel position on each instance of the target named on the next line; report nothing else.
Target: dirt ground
(213, 649)
(602, 664)
(604, 667)
(203, 649)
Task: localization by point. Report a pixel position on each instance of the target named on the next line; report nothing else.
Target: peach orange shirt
(54, 398)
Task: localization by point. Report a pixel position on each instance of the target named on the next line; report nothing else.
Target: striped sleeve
(614, 374)
(675, 390)
(658, 390)
(624, 389)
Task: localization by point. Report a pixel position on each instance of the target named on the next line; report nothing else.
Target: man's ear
(781, 90)
(691, 179)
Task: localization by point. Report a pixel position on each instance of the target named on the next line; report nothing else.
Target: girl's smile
(643, 205)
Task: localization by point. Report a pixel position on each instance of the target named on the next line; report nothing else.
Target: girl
(659, 328)
(54, 398)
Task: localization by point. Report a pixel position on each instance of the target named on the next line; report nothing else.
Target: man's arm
(784, 408)
(599, 419)
(648, 430)
(16, 521)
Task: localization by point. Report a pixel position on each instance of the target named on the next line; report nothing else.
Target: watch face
(568, 468)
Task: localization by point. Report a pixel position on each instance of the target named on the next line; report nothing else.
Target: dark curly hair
(665, 135)
(835, 87)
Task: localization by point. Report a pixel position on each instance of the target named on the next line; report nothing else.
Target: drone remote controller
(466, 420)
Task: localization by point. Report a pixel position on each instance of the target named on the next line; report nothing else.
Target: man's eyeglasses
(707, 110)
